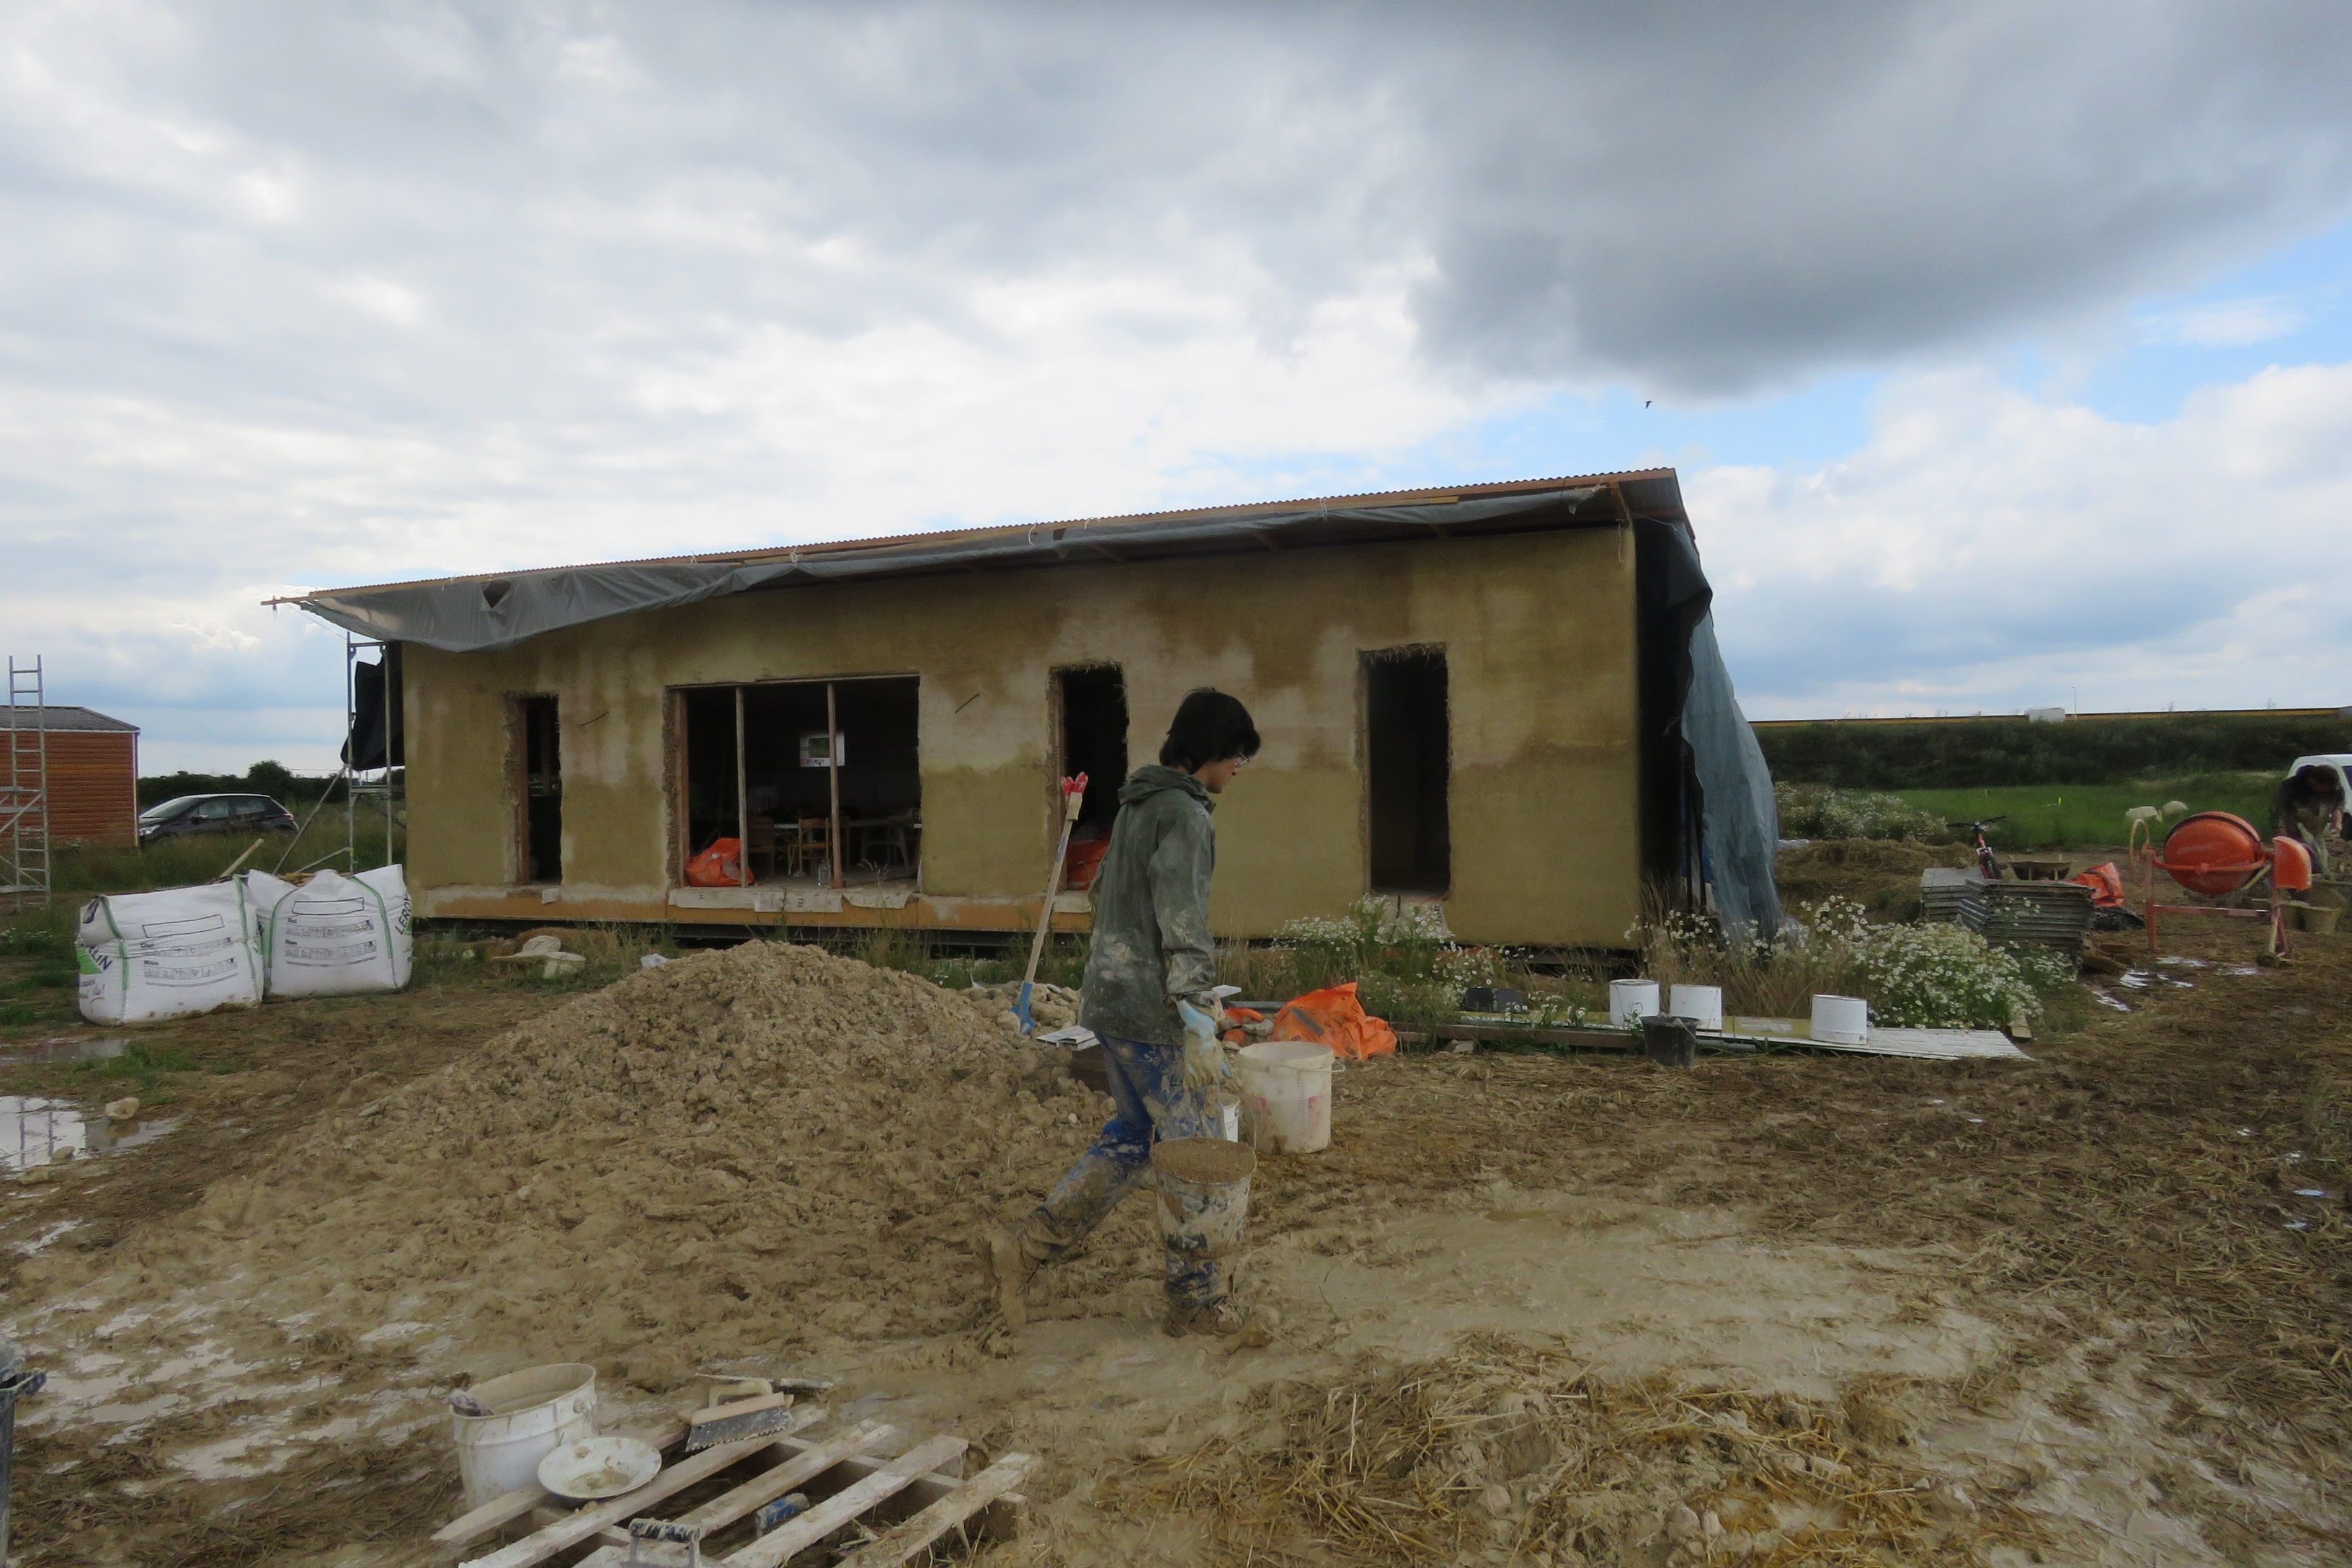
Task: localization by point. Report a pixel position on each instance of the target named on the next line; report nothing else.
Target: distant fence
(2091, 748)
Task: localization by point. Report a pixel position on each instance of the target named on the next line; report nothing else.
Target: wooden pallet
(902, 1504)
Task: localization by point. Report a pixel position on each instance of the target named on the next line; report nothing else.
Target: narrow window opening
(1092, 702)
(539, 761)
(1406, 747)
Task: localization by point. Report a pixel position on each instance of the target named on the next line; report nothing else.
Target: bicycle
(1988, 866)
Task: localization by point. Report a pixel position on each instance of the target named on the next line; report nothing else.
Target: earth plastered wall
(1538, 632)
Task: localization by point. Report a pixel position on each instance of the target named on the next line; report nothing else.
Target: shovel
(1074, 796)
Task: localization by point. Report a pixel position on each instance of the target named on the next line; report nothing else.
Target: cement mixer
(2220, 856)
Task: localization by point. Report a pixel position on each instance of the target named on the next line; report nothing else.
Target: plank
(913, 1535)
(797, 1535)
(769, 1485)
(502, 1512)
(540, 1545)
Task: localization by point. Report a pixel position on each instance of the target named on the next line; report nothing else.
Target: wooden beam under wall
(742, 802)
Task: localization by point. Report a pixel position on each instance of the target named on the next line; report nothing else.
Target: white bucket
(1702, 1005)
(1630, 1001)
(1843, 1020)
(1286, 1089)
(531, 1412)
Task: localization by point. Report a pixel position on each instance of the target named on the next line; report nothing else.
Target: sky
(2004, 349)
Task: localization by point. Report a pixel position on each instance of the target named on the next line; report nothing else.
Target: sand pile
(742, 1152)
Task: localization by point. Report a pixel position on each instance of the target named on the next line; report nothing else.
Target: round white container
(1702, 1005)
(531, 1412)
(1286, 1089)
(1630, 1001)
(1842, 1020)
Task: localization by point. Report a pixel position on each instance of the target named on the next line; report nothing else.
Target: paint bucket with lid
(1702, 1005)
(1286, 1089)
(1842, 1020)
(1630, 1001)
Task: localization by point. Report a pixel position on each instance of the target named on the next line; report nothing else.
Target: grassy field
(2051, 816)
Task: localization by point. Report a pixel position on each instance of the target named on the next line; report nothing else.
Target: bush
(1810, 811)
(1974, 753)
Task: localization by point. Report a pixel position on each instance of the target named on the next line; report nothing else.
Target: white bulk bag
(335, 935)
(146, 956)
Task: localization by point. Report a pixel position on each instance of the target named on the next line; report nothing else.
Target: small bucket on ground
(1669, 1041)
(1842, 1020)
(531, 1412)
(1203, 1195)
(1285, 1088)
(1630, 1001)
(1702, 1005)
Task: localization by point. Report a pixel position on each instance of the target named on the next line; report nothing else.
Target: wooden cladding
(93, 786)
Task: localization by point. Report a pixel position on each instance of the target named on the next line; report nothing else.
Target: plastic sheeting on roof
(474, 613)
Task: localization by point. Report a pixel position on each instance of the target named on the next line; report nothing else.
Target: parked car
(213, 814)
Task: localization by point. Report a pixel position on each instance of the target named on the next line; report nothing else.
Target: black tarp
(374, 741)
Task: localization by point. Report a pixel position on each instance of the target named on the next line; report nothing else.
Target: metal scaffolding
(25, 796)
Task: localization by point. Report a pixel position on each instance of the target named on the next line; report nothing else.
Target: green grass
(185, 862)
(2044, 817)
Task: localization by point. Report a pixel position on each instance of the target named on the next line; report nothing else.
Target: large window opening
(821, 781)
(538, 790)
(1091, 700)
(1406, 747)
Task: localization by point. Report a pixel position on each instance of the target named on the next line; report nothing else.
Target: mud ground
(2082, 1294)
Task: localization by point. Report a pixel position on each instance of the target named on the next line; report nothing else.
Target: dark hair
(1208, 728)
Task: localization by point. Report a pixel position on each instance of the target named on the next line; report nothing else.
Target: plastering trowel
(744, 1407)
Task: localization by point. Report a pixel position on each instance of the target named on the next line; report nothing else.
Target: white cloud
(2224, 323)
(1990, 549)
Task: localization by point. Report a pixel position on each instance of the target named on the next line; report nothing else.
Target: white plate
(591, 1469)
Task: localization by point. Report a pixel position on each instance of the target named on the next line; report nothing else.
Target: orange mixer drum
(2213, 853)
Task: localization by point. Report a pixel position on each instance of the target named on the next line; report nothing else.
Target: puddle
(64, 1048)
(36, 1132)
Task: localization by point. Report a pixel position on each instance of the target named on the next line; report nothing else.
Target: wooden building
(92, 770)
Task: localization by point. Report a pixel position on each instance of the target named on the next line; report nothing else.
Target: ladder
(25, 789)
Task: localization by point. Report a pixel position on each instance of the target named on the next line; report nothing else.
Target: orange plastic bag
(1334, 1017)
(2106, 885)
(720, 865)
(1238, 1015)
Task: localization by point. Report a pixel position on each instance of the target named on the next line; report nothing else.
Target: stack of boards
(146, 957)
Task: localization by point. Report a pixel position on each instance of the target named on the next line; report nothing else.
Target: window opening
(540, 792)
(1406, 748)
(797, 785)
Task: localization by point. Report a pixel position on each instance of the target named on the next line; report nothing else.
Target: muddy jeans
(1149, 1102)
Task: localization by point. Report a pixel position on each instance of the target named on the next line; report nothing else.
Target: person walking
(1146, 996)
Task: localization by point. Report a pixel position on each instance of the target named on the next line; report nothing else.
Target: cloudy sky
(2005, 349)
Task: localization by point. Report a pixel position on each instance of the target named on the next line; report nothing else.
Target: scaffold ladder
(25, 793)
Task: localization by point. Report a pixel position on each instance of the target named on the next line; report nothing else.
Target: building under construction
(1503, 698)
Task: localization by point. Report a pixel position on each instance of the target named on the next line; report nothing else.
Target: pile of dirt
(1882, 874)
(744, 1150)
(1050, 1007)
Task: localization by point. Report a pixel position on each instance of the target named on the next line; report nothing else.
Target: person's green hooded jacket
(1151, 942)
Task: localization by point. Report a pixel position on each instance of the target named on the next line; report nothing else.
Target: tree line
(1972, 753)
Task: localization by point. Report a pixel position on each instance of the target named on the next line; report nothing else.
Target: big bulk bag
(335, 935)
(150, 956)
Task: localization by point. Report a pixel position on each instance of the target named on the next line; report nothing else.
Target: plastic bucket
(1843, 1020)
(1203, 1195)
(1630, 1001)
(1702, 1005)
(531, 1412)
(1285, 1087)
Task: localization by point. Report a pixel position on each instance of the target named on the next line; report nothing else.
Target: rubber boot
(1011, 1254)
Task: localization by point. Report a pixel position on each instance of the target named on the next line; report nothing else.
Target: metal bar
(833, 779)
(742, 801)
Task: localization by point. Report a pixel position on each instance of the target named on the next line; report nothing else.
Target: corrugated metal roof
(65, 718)
(1646, 492)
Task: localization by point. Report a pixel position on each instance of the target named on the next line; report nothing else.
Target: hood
(1145, 782)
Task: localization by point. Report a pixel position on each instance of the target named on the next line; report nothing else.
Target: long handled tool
(1074, 796)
